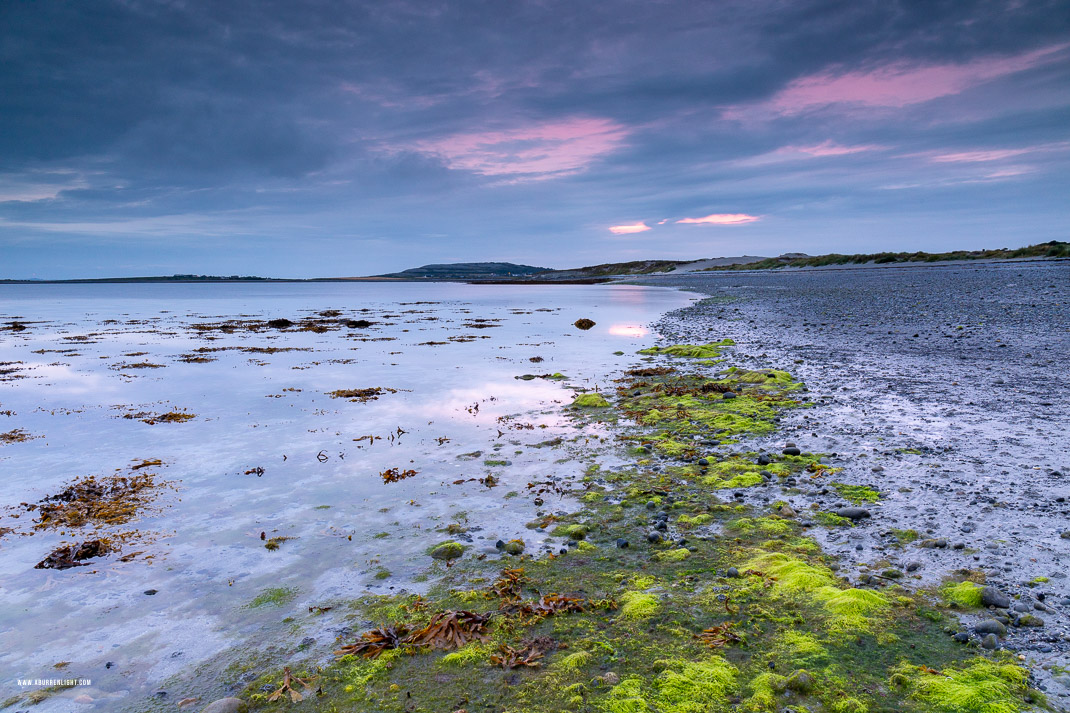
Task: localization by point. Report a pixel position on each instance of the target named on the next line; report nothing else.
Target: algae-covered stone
(678, 555)
(590, 401)
(225, 705)
(514, 547)
(574, 532)
(801, 681)
(448, 551)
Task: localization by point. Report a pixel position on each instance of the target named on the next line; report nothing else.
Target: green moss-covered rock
(447, 551)
(590, 401)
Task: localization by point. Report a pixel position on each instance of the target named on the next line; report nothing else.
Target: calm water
(76, 371)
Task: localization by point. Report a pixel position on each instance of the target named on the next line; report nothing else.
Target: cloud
(552, 148)
(828, 148)
(639, 227)
(893, 85)
(721, 219)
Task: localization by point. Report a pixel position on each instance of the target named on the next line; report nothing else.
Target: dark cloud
(502, 126)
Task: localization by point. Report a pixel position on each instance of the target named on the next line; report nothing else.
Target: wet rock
(852, 513)
(654, 537)
(962, 637)
(991, 626)
(622, 543)
(913, 566)
(938, 543)
(514, 548)
(583, 324)
(1021, 607)
(448, 551)
(791, 451)
(1029, 620)
(763, 459)
(150, 592)
(732, 572)
(989, 641)
(225, 705)
(992, 597)
(728, 395)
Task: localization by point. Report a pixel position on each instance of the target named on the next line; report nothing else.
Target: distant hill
(467, 271)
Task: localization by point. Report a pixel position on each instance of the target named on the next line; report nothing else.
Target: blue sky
(315, 138)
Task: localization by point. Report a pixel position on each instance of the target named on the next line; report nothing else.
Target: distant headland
(507, 272)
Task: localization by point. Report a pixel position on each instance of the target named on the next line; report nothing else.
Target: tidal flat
(685, 517)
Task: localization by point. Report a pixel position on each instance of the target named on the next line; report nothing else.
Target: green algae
(683, 687)
(447, 551)
(638, 605)
(831, 519)
(977, 686)
(273, 596)
(964, 594)
(691, 351)
(858, 494)
(677, 555)
(590, 401)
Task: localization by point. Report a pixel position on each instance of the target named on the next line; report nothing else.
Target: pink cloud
(894, 85)
(829, 148)
(639, 227)
(978, 156)
(538, 150)
(721, 219)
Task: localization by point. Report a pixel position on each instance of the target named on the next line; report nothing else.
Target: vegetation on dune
(1053, 248)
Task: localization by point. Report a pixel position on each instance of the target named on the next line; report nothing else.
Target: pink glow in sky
(828, 148)
(721, 219)
(639, 227)
(894, 85)
(538, 150)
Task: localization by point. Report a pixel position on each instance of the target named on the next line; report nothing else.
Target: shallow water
(452, 352)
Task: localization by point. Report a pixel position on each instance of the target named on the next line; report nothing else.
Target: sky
(315, 139)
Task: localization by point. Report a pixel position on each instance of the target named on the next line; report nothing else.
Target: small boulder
(852, 513)
(448, 551)
(583, 324)
(992, 597)
(225, 705)
(991, 626)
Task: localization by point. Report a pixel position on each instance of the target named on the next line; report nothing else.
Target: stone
(732, 572)
(583, 323)
(938, 543)
(1030, 620)
(992, 597)
(801, 681)
(991, 626)
(728, 395)
(622, 543)
(225, 705)
(989, 641)
(852, 513)
(792, 451)
(610, 679)
(514, 548)
(447, 551)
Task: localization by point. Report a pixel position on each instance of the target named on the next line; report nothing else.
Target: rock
(1030, 620)
(514, 548)
(150, 592)
(703, 461)
(992, 597)
(791, 452)
(225, 705)
(732, 572)
(989, 641)
(728, 395)
(1021, 607)
(654, 537)
(763, 459)
(912, 566)
(852, 513)
(583, 324)
(801, 681)
(968, 527)
(651, 505)
(622, 543)
(448, 551)
(933, 543)
(991, 626)
(610, 679)
(962, 637)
